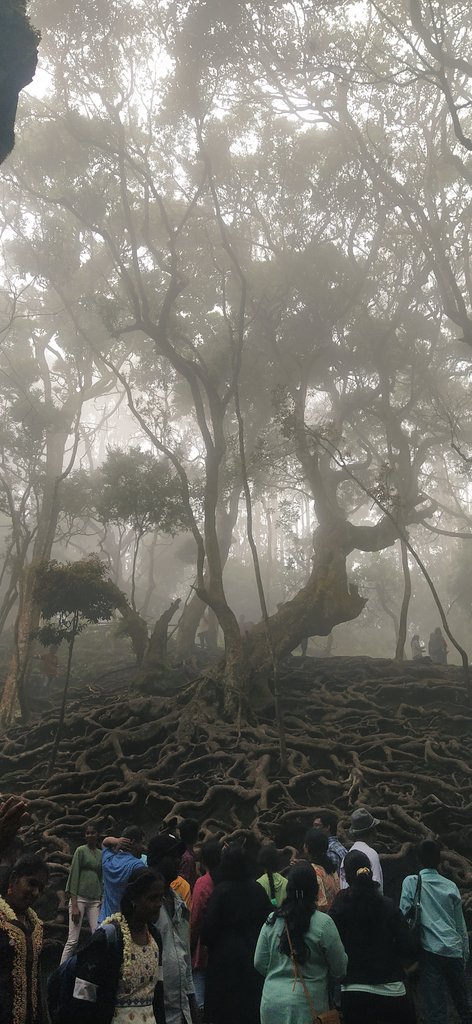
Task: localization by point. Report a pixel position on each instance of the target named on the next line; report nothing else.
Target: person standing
(298, 940)
(164, 853)
(120, 857)
(362, 830)
(444, 939)
(234, 916)
(328, 823)
(437, 647)
(118, 976)
(210, 857)
(316, 850)
(376, 938)
(188, 832)
(271, 880)
(417, 647)
(21, 940)
(84, 889)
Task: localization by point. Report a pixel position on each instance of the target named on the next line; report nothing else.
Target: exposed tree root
(393, 736)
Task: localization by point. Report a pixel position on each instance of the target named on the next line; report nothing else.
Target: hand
(124, 844)
(12, 813)
(75, 913)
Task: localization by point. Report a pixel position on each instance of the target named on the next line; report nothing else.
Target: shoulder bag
(413, 915)
(328, 1016)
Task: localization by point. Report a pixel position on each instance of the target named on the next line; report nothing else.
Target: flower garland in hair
(17, 938)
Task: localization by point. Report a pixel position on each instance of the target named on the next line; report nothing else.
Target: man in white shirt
(362, 830)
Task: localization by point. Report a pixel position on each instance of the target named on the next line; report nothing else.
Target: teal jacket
(443, 929)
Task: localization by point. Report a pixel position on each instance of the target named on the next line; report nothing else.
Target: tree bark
(402, 629)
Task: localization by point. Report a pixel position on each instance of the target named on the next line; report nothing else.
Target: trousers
(88, 908)
(438, 976)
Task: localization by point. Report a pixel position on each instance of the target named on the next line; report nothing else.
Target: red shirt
(201, 894)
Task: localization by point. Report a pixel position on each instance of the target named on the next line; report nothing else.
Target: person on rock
(298, 940)
(377, 941)
(362, 831)
(235, 913)
(437, 647)
(120, 857)
(444, 938)
(21, 940)
(316, 851)
(164, 853)
(417, 647)
(84, 889)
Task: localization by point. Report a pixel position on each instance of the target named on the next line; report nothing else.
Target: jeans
(90, 908)
(368, 1008)
(199, 986)
(439, 975)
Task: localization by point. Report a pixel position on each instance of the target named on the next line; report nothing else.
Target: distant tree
(71, 596)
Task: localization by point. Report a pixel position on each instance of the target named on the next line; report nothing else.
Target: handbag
(327, 1016)
(413, 915)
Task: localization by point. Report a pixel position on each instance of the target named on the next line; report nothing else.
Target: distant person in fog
(437, 647)
(417, 647)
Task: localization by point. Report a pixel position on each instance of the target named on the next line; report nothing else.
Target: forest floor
(394, 737)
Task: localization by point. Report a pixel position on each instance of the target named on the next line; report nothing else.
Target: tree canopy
(236, 236)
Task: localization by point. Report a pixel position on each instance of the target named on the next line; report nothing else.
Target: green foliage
(134, 488)
(72, 595)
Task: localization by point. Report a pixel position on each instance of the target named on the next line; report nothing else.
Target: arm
(408, 893)
(262, 953)
(111, 842)
(335, 953)
(72, 886)
(461, 927)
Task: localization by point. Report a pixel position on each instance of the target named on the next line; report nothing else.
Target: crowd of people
(185, 932)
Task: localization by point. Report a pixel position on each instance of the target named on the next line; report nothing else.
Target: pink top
(201, 894)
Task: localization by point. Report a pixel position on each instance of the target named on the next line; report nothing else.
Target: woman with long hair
(316, 851)
(271, 880)
(21, 939)
(298, 952)
(119, 973)
(235, 913)
(377, 941)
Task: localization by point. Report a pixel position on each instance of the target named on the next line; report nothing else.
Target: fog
(236, 325)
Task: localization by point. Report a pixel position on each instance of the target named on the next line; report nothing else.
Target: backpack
(61, 983)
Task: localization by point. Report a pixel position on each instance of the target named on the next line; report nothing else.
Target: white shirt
(374, 858)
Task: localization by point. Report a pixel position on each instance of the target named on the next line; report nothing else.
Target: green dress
(282, 1003)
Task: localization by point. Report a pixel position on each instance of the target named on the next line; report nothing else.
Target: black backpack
(61, 983)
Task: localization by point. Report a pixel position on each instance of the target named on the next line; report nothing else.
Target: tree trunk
(326, 600)
(62, 712)
(156, 651)
(27, 620)
(403, 626)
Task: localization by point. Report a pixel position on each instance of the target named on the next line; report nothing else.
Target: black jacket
(99, 962)
(233, 919)
(377, 948)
